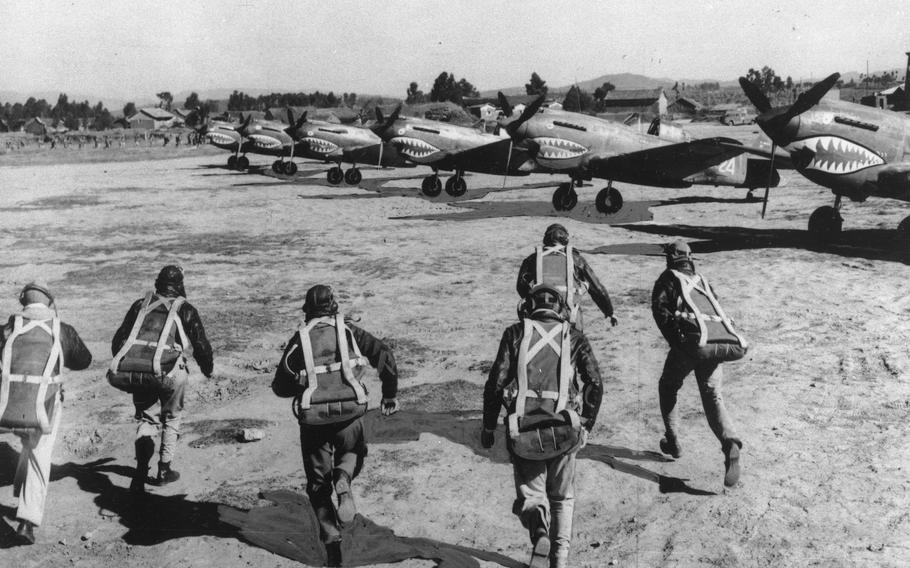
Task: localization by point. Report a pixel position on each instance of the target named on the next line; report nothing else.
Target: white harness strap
(526, 352)
(700, 283)
(47, 377)
(346, 365)
(161, 344)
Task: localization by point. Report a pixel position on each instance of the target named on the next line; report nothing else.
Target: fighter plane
(854, 150)
(586, 147)
(262, 137)
(449, 147)
(338, 143)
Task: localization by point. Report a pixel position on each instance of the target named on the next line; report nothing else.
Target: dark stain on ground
(632, 212)
(220, 432)
(57, 202)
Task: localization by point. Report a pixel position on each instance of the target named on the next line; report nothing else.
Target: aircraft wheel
(431, 186)
(243, 163)
(608, 200)
(903, 230)
(352, 176)
(825, 221)
(232, 162)
(290, 168)
(456, 186)
(335, 175)
(565, 198)
(277, 166)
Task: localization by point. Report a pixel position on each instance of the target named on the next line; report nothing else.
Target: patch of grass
(442, 397)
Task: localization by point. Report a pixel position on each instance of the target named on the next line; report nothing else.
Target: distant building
(151, 118)
(646, 102)
(35, 126)
(684, 107)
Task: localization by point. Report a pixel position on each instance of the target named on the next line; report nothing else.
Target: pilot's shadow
(463, 427)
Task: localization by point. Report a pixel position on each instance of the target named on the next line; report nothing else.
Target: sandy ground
(822, 401)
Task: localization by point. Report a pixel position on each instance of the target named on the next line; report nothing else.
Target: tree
(129, 109)
(192, 101)
(577, 100)
(414, 94)
(445, 88)
(536, 86)
(165, 99)
(601, 92)
(765, 79)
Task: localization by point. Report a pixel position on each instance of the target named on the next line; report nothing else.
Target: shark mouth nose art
(221, 138)
(263, 141)
(319, 145)
(834, 155)
(559, 149)
(413, 147)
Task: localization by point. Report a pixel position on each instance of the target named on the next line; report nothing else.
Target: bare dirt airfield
(822, 400)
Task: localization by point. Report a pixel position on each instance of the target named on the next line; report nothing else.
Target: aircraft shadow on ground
(870, 244)
(288, 527)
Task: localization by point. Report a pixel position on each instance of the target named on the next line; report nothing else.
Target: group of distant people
(545, 377)
(106, 141)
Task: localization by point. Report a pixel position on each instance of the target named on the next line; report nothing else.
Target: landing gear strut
(455, 185)
(608, 200)
(826, 221)
(431, 186)
(565, 198)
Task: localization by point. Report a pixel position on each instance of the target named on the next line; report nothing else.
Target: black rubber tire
(335, 176)
(825, 221)
(290, 168)
(903, 230)
(243, 163)
(232, 162)
(608, 200)
(565, 198)
(431, 186)
(352, 176)
(456, 186)
(277, 166)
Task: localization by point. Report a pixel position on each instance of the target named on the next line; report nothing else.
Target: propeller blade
(290, 117)
(764, 206)
(379, 117)
(755, 96)
(526, 115)
(811, 97)
(504, 104)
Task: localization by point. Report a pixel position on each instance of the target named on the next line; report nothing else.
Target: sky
(131, 49)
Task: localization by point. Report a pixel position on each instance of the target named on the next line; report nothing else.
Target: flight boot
(145, 449)
(333, 553)
(540, 554)
(25, 533)
(670, 446)
(166, 474)
(731, 448)
(559, 556)
(346, 509)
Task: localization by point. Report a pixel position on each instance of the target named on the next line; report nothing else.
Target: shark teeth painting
(319, 145)
(559, 149)
(264, 141)
(835, 155)
(221, 138)
(414, 147)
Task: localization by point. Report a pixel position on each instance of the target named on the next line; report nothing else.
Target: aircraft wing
(782, 159)
(489, 158)
(666, 165)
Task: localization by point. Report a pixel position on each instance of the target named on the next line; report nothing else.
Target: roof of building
(154, 113)
(686, 101)
(634, 94)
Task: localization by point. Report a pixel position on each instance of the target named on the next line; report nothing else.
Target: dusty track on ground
(822, 400)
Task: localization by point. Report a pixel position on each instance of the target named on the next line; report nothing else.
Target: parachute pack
(540, 424)
(29, 379)
(151, 350)
(706, 331)
(330, 381)
(556, 268)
